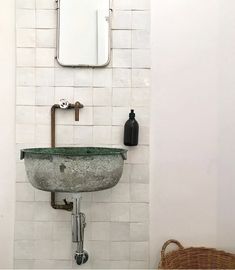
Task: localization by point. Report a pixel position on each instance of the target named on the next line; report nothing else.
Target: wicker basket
(195, 258)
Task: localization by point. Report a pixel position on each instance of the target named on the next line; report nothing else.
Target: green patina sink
(74, 169)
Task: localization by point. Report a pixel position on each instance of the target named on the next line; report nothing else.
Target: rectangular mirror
(83, 33)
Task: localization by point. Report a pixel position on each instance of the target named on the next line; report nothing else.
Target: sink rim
(75, 151)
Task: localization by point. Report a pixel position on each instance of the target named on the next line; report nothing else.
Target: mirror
(83, 33)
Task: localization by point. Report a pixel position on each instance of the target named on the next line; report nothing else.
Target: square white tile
(83, 135)
(45, 57)
(64, 77)
(102, 116)
(46, 38)
(25, 95)
(25, 18)
(120, 231)
(25, 76)
(45, 4)
(121, 39)
(140, 20)
(45, 96)
(140, 77)
(122, 58)
(121, 77)
(102, 77)
(141, 58)
(24, 192)
(45, 18)
(122, 19)
(120, 251)
(140, 39)
(25, 57)
(102, 135)
(121, 97)
(45, 76)
(25, 38)
(83, 77)
(102, 96)
(25, 4)
(100, 231)
(139, 232)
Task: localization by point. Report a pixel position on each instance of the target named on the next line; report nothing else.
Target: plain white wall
(7, 135)
(184, 136)
(193, 124)
(226, 119)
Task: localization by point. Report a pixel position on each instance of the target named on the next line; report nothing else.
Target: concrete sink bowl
(74, 169)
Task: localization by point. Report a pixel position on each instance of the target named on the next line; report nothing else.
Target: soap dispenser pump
(131, 131)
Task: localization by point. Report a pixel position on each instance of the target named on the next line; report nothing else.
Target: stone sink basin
(74, 169)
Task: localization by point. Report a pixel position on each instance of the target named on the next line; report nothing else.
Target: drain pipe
(78, 226)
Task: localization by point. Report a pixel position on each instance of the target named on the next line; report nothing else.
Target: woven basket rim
(189, 255)
(200, 248)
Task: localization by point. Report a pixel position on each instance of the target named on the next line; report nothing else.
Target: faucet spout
(77, 107)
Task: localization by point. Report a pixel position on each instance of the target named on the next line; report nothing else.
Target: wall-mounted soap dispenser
(131, 131)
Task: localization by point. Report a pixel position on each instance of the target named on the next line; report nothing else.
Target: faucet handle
(64, 104)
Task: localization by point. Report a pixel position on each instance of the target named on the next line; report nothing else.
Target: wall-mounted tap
(64, 105)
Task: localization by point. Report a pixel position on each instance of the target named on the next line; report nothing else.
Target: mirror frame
(58, 39)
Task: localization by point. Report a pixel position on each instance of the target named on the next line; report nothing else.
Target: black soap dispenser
(131, 131)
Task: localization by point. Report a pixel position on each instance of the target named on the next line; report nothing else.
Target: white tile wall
(45, 38)
(140, 20)
(25, 18)
(25, 57)
(102, 116)
(45, 4)
(120, 251)
(122, 4)
(122, 19)
(25, 38)
(102, 77)
(83, 77)
(121, 77)
(27, 4)
(121, 39)
(45, 57)
(45, 18)
(25, 76)
(102, 134)
(117, 219)
(122, 58)
(25, 95)
(45, 77)
(102, 96)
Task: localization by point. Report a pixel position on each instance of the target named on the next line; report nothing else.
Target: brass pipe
(53, 110)
(77, 106)
(68, 206)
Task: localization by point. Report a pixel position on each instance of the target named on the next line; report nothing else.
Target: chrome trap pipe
(78, 227)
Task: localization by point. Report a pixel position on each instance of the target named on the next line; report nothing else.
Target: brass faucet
(64, 105)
